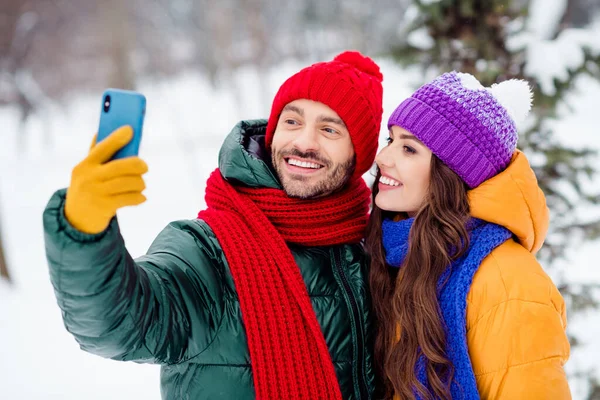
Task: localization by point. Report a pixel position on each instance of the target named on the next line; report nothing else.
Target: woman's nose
(384, 158)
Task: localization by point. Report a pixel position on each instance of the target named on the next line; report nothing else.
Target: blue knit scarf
(452, 297)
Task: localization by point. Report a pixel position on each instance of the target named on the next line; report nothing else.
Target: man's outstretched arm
(163, 307)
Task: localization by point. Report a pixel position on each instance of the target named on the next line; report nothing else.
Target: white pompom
(515, 96)
(469, 81)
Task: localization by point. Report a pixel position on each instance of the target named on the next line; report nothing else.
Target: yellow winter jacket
(516, 317)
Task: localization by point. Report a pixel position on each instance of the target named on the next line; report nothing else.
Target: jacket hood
(514, 200)
(244, 158)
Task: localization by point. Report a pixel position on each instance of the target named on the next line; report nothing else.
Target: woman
(464, 310)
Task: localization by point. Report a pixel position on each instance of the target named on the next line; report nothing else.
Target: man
(264, 295)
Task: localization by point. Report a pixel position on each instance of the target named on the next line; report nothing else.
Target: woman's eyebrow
(410, 137)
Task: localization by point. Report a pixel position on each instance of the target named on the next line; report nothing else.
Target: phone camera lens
(106, 103)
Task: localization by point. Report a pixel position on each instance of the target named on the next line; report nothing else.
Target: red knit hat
(351, 86)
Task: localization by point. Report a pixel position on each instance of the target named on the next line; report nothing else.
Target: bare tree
(119, 43)
(18, 28)
(3, 265)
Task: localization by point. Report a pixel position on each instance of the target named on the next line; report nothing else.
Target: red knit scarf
(290, 359)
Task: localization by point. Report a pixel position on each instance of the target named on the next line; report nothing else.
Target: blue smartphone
(122, 107)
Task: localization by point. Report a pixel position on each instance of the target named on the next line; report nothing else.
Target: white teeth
(303, 164)
(389, 181)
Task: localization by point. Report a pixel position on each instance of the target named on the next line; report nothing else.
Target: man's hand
(99, 188)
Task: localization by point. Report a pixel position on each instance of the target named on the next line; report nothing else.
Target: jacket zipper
(360, 339)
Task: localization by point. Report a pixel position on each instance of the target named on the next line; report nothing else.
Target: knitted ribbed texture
(466, 128)
(351, 86)
(288, 352)
(452, 296)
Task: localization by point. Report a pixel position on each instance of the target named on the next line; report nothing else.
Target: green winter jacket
(177, 305)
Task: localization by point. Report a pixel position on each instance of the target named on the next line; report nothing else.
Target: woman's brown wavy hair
(406, 297)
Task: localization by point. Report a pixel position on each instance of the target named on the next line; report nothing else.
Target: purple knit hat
(470, 128)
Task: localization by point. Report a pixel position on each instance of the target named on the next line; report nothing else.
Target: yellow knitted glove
(99, 188)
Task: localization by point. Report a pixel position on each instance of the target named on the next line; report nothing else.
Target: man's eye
(330, 130)
(291, 122)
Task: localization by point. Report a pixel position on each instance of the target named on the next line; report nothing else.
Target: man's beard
(299, 187)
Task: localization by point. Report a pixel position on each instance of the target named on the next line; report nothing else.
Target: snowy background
(187, 119)
(186, 123)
